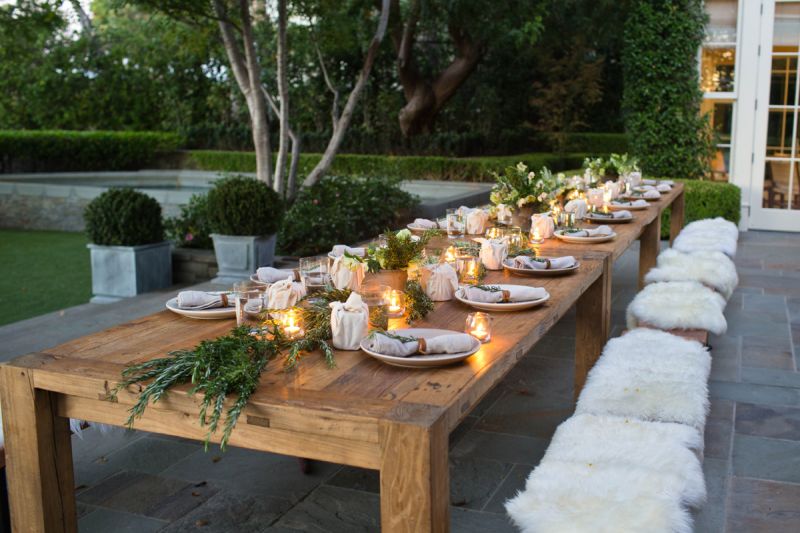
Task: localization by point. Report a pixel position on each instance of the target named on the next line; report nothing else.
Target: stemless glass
(455, 224)
(315, 274)
(376, 296)
(249, 300)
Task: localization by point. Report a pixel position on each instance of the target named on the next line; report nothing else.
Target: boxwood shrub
(123, 217)
(243, 206)
(49, 151)
(707, 199)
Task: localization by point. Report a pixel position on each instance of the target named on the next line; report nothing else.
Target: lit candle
(494, 233)
(396, 304)
(450, 254)
(479, 325)
(291, 324)
(537, 236)
(468, 269)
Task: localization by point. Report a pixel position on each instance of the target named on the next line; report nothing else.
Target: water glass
(377, 297)
(315, 274)
(249, 299)
(455, 224)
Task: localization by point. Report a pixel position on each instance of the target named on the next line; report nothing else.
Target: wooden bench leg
(676, 216)
(41, 484)
(592, 325)
(415, 478)
(649, 246)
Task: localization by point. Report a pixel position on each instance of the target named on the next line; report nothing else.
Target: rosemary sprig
(395, 336)
(419, 303)
(488, 288)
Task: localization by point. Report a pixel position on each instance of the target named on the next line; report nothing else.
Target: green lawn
(42, 271)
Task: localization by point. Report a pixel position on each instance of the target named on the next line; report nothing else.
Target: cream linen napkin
(440, 281)
(349, 322)
(271, 275)
(384, 344)
(340, 249)
(425, 223)
(651, 194)
(623, 213)
(347, 273)
(517, 293)
(284, 294)
(634, 203)
(202, 300)
(555, 263)
(578, 207)
(663, 187)
(493, 252)
(599, 231)
(475, 220)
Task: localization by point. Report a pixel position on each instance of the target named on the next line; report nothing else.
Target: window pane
(779, 133)
(786, 29)
(784, 80)
(718, 69)
(720, 164)
(718, 58)
(776, 184)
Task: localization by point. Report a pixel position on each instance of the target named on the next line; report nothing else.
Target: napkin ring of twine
(224, 298)
(547, 264)
(422, 347)
(296, 275)
(507, 295)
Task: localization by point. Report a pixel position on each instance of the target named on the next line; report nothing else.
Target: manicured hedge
(401, 167)
(707, 199)
(52, 151)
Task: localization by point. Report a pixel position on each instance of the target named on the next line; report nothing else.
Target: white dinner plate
(628, 197)
(509, 265)
(507, 306)
(419, 229)
(203, 314)
(608, 220)
(627, 207)
(584, 240)
(422, 361)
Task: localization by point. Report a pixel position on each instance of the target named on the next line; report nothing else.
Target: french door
(775, 190)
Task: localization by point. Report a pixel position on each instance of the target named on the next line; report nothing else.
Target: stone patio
(133, 481)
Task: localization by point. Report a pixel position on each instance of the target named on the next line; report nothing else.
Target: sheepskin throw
(694, 241)
(711, 268)
(562, 496)
(678, 305)
(656, 446)
(713, 226)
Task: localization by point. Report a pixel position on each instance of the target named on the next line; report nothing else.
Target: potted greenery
(388, 265)
(525, 193)
(128, 252)
(244, 215)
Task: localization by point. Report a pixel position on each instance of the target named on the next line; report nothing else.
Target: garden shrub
(191, 229)
(707, 199)
(661, 99)
(243, 206)
(124, 217)
(40, 151)
(342, 210)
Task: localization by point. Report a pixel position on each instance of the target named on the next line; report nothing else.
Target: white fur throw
(658, 353)
(693, 241)
(678, 305)
(713, 226)
(610, 440)
(562, 496)
(711, 268)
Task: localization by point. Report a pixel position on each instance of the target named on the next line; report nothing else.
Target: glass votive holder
(249, 301)
(479, 325)
(468, 269)
(450, 255)
(396, 301)
(494, 232)
(315, 273)
(516, 239)
(455, 224)
(290, 322)
(536, 236)
(375, 296)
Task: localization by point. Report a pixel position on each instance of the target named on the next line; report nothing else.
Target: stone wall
(190, 266)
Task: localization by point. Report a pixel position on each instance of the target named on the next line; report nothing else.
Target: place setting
(609, 216)
(594, 235)
(533, 266)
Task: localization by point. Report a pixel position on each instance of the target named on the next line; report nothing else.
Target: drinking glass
(315, 274)
(376, 296)
(455, 224)
(249, 300)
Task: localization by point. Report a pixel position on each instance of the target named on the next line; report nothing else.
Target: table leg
(41, 485)
(676, 216)
(649, 247)
(415, 478)
(592, 324)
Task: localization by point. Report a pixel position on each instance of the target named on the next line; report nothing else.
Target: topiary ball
(244, 206)
(124, 217)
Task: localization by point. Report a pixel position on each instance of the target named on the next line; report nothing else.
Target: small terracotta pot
(396, 279)
(521, 217)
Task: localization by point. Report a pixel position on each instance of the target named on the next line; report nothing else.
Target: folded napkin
(647, 187)
(284, 294)
(425, 223)
(440, 281)
(543, 263)
(349, 322)
(599, 231)
(384, 344)
(651, 194)
(649, 181)
(666, 182)
(475, 220)
(627, 203)
(340, 249)
(202, 300)
(663, 187)
(347, 273)
(516, 293)
(271, 275)
(578, 207)
(622, 213)
(493, 252)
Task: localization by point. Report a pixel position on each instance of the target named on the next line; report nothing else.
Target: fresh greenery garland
(400, 250)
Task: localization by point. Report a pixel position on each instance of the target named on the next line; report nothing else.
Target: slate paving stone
(717, 436)
(711, 517)
(106, 521)
(769, 352)
(514, 483)
(334, 509)
(229, 511)
(554, 346)
(764, 458)
(766, 421)
(501, 447)
(521, 415)
(132, 492)
(465, 521)
(770, 376)
(758, 505)
(758, 394)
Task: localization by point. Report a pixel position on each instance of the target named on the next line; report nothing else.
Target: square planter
(124, 271)
(239, 256)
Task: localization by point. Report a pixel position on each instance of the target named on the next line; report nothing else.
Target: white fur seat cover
(563, 496)
(713, 226)
(697, 240)
(711, 268)
(678, 305)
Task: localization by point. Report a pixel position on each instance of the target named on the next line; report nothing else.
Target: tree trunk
(283, 94)
(341, 125)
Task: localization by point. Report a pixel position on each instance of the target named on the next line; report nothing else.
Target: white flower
(543, 197)
(522, 201)
(404, 234)
(522, 167)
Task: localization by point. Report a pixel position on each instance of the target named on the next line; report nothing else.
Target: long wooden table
(362, 413)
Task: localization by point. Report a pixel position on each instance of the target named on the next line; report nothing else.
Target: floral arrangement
(401, 249)
(519, 187)
(619, 164)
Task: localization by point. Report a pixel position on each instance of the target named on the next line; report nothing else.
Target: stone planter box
(124, 271)
(239, 256)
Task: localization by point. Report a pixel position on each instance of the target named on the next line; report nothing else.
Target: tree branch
(331, 87)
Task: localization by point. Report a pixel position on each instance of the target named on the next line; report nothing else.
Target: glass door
(775, 200)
